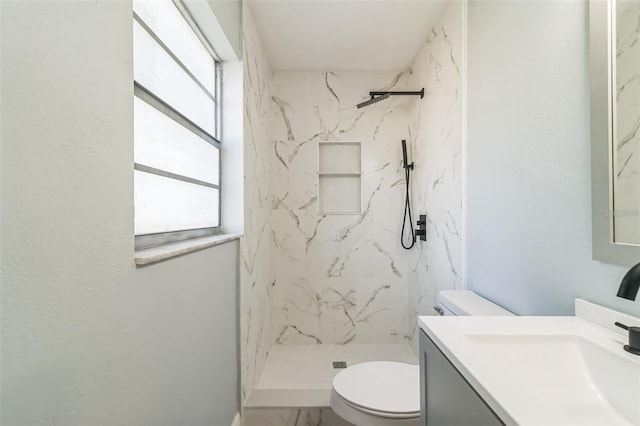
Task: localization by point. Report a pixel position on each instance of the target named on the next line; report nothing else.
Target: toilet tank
(465, 302)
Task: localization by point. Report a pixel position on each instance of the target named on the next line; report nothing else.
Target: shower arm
(380, 96)
(419, 93)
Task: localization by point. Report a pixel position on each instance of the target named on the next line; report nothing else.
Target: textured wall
(337, 278)
(437, 140)
(88, 338)
(528, 202)
(255, 245)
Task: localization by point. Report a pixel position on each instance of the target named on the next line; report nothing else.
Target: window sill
(167, 251)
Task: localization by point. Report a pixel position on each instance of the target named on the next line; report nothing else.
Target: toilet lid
(382, 386)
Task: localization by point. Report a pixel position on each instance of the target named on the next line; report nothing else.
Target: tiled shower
(310, 278)
(337, 278)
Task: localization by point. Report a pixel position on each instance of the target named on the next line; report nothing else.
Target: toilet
(386, 393)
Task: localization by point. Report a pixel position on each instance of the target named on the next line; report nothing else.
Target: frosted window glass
(165, 205)
(167, 23)
(166, 145)
(159, 73)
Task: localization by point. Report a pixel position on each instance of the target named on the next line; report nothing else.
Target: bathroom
(97, 332)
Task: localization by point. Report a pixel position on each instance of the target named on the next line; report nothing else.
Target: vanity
(529, 370)
(447, 396)
(570, 370)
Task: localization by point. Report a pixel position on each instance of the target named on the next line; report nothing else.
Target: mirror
(615, 130)
(626, 121)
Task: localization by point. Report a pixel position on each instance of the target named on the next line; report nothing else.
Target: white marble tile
(256, 244)
(320, 304)
(377, 317)
(315, 311)
(437, 139)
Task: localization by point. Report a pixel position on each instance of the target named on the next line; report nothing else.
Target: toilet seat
(382, 388)
(336, 398)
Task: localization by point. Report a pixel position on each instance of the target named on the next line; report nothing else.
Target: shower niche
(339, 177)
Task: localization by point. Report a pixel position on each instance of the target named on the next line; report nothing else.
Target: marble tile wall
(627, 143)
(436, 129)
(255, 245)
(337, 279)
(313, 278)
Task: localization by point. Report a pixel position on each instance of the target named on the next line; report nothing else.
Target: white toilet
(385, 393)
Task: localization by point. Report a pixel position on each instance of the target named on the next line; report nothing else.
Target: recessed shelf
(339, 178)
(339, 174)
(340, 213)
(339, 194)
(339, 157)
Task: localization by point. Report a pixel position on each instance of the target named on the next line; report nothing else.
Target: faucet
(630, 283)
(634, 338)
(629, 290)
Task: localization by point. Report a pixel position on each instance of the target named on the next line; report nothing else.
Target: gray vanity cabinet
(446, 397)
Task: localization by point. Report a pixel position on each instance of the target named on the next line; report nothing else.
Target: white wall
(88, 338)
(228, 13)
(529, 211)
(221, 24)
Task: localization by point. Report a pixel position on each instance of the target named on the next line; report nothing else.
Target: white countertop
(532, 371)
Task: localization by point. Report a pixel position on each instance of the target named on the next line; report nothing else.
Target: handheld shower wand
(407, 204)
(404, 156)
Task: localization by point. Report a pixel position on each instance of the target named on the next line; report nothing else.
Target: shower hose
(407, 214)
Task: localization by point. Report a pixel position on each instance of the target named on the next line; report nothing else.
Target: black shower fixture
(407, 203)
(379, 96)
(373, 100)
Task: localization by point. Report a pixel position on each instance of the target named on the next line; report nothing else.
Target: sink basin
(586, 378)
(546, 370)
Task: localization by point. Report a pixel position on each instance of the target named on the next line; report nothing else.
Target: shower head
(373, 100)
(378, 96)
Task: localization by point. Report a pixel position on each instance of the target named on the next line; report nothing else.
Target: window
(176, 126)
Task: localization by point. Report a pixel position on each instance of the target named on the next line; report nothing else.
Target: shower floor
(300, 376)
